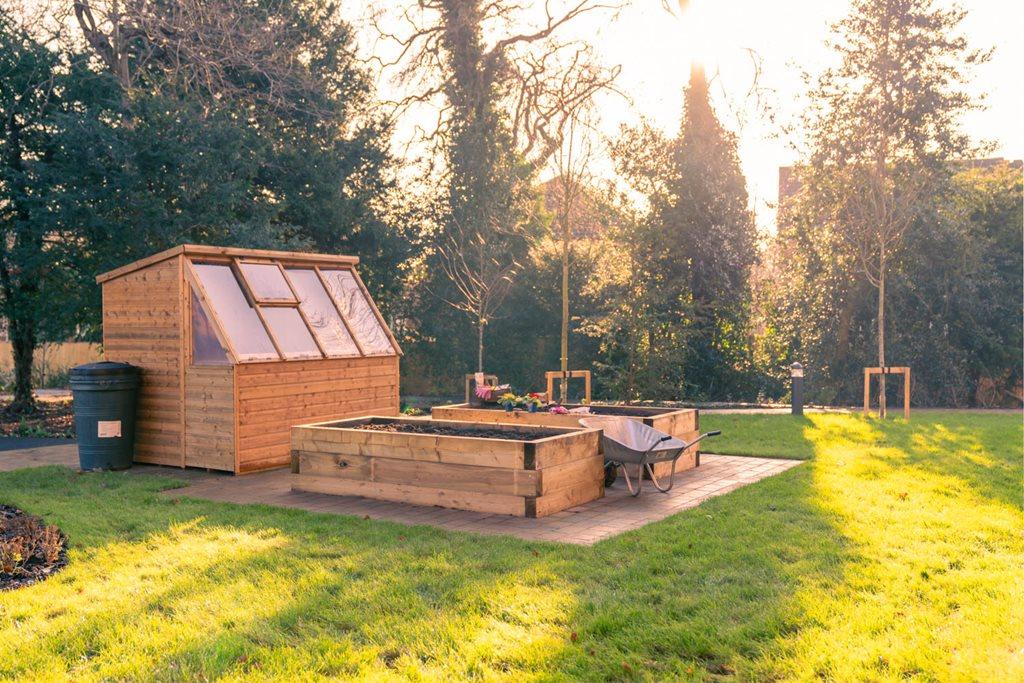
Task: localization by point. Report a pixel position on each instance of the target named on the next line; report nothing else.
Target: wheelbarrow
(630, 442)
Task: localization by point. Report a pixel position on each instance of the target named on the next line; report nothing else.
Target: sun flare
(705, 32)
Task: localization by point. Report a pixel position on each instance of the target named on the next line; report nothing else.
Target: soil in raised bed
(441, 430)
(30, 549)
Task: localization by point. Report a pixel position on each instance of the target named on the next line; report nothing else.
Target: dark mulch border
(52, 418)
(37, 570)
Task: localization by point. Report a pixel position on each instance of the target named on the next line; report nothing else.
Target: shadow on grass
(932, 550)
(707, 591)
(985, 453)
(771, 436)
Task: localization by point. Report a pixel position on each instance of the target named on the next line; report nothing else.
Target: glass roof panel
(266, 282)
(358, 311)
(240, 322)
(322, 315)
(290, 331)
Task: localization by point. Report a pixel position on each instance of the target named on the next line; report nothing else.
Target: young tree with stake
(571, 163)
(884, 126)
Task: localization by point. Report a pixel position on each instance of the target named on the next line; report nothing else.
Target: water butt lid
(103, 371)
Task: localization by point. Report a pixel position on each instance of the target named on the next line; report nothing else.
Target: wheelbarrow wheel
(611, 473)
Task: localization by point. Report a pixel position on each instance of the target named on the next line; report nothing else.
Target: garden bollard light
(796, 373)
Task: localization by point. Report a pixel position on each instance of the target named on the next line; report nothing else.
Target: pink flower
(483, 391)
(559, 410)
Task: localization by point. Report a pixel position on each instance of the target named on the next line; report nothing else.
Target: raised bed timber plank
(532, 476)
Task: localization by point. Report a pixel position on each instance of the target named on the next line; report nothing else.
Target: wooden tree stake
(905, 371)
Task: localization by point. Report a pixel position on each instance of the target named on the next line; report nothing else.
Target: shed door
(210, 417)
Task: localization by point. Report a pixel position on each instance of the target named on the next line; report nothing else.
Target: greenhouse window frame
(249, 292)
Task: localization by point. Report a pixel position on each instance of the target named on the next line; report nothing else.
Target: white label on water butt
(108, 429)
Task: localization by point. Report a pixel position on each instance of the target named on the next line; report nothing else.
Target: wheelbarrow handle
(704, 436)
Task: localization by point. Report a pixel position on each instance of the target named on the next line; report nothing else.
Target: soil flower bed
(30, 549)
(441, 430)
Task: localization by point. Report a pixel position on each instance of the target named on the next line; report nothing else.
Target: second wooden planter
(682, 423)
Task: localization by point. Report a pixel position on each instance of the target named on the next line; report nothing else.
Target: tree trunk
(480, 344)
(23, 345)
(19, 289)
(649, 365)
(564, 386)
(881, 333)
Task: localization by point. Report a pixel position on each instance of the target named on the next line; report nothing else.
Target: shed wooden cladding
(284, 338)
(681, 423)
(533, 478)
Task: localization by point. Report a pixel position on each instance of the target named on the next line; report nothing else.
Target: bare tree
(536, 76)
(878, 213)
(213, 48)
(504, 101)
(571, 163)
(482, 278)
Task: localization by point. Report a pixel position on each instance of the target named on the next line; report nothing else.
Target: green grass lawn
(894, 553)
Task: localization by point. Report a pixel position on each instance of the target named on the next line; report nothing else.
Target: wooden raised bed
(682, 423)
(529, 477)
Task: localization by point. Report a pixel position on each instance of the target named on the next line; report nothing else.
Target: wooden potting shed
(238, 345)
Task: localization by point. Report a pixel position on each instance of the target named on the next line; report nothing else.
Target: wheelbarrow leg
(639, 479)
(671, 476)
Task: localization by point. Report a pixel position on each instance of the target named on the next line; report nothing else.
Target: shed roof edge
(208, 250)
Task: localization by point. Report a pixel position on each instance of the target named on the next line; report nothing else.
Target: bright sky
(789, 37)
(655, 50)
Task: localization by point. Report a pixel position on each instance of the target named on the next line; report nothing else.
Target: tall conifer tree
(707, 244)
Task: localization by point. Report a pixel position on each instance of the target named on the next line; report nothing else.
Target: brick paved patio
(614, 514)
